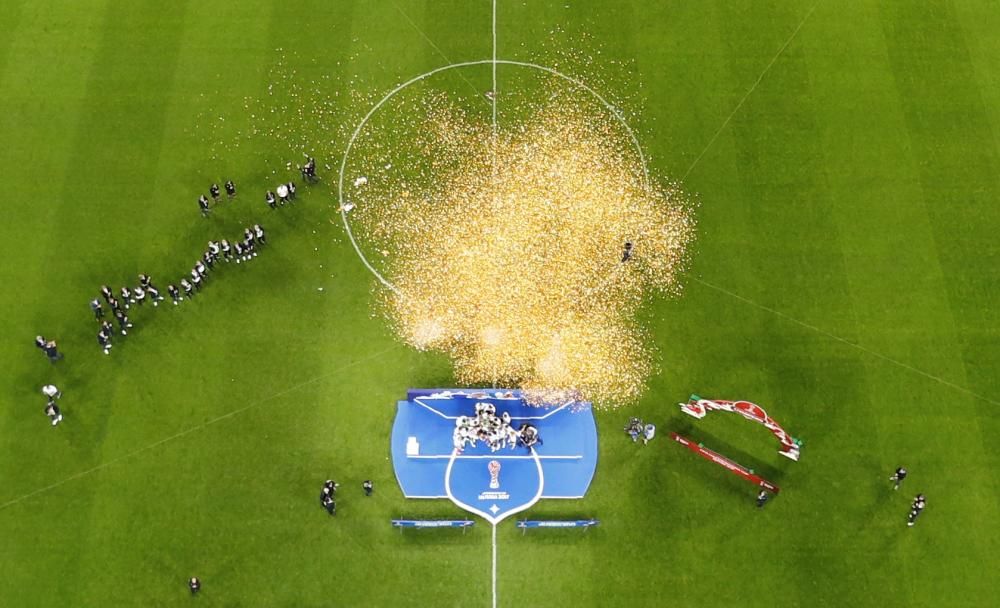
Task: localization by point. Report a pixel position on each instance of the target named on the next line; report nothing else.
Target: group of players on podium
(496, 431)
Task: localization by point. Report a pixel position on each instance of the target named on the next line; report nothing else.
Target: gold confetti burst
(506, 250)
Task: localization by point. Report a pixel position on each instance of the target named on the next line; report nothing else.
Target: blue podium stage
(493, 485)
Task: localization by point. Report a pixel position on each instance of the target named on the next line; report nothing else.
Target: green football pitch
(846, 278)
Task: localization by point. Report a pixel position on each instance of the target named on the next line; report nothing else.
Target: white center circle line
(364, 121)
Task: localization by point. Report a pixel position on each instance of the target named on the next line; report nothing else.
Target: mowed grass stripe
(115, 154)
(38, 151)
(892, 259)
(944, 111)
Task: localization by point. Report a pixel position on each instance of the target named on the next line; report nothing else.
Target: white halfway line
(493, 92)
(494, 566)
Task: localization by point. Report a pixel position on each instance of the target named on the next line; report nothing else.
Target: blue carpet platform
(427, 465)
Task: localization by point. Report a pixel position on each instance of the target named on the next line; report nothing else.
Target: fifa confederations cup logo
(494, 468)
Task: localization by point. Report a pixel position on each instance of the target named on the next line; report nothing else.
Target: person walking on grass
(51, 391)
(52, 411)
(123, 322)
(368, 487)
(51, 350)
(95, 305)
(326, 495)
(919, 502)
(648, 432)
(154, 294)
(105, 341)
(898, 477)
(762, 498)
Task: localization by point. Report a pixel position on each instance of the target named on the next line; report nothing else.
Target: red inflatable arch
(698, 407)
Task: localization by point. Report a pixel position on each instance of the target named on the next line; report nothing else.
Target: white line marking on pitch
(494, 566)
(494, 90)
(433, 46)
(751, 90)
(863, 349)
(615, 112)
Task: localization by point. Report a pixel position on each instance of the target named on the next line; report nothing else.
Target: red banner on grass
(721, 460)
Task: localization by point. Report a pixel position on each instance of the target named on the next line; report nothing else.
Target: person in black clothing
(762, 498)
(898, 477)
(368, 487)
(107, 328)
(95, 305)
(291, 191)
(230, 188)
(271, 202)
(916, 509)
(207, 258)
(227, 251)
(123, 322)
(529, 436)
(51, 350)
(105, 341)
(107, 293)
(154, 294)
(174, 294)
(52, 411)
(115, 306)
(188, 288)
(328, 503)
(126, 296)
(214, 191)
(144, 280)
(194, 585)
(326, 496)
(203, 205)
(40, 342)
(627, 253)
(139, 295)
(309, 170)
